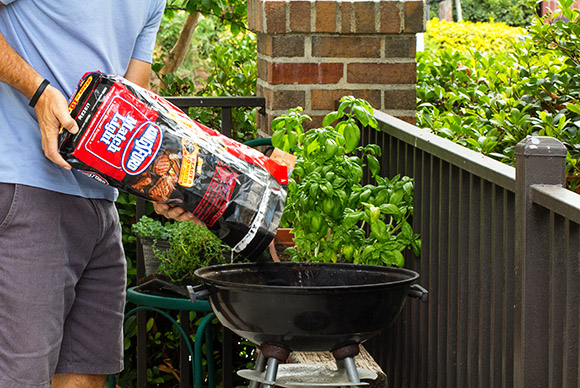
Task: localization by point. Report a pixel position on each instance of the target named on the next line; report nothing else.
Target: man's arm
(51, 108)
(139, 72)
(14, 70)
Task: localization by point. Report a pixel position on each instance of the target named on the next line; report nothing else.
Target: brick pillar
(311, 53)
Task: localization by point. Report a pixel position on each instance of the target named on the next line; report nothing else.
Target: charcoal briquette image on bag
(139, 142)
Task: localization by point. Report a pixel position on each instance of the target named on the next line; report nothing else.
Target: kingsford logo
(142, 149)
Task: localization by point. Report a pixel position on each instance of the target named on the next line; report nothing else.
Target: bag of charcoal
(139, 142)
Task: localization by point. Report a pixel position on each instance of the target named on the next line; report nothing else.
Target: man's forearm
(51, 106)
(138, 72)
(15, 71)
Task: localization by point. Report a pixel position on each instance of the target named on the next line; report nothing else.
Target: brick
(324, 99)
(346, 47)
(345, 17)
(300, 16)
(262, 68)
(390, 17)
(264, 124)
(277, 99)
(263, 43)
(414, 16)
(325, 16)
(277, 46)
(382, 73)
(304, 73)
(364, 17)
(401, 99)
(275, 17)
(255, 15)
(401, 46)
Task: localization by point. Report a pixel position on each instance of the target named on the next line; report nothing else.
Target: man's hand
(175, 212)
(52, 112)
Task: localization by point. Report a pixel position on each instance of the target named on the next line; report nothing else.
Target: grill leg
(271, 372)
(260, 367)
(345, 359)
(274, 354)
(351, 371)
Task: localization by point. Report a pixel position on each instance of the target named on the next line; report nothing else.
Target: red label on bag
(217, 195)
(122, 138)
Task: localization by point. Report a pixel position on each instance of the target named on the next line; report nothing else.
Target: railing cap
(540, 146)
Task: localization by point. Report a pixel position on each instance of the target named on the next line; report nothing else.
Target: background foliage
(510, 12)
(517, 13)
(478, 36)
(231, 14)
(221, 62)
(488, 101)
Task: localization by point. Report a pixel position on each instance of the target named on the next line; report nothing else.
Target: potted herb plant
(172, 251)
(190, 246)
(335, 217)
(152, 233)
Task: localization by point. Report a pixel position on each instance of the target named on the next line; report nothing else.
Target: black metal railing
(225, 103)
(500, 260)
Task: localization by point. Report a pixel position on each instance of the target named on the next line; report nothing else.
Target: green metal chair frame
(156, 303)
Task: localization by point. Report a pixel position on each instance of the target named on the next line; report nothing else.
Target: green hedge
(489, 101)
(478, 36)
(510, 12)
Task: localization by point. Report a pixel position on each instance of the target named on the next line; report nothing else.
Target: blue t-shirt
(62, 40)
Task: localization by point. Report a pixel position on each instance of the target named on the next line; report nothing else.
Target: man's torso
(62, 40)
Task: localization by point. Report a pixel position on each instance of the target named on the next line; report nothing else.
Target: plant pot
(284, 238)
(150, 260)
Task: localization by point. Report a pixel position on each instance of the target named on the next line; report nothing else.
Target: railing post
(539, 161)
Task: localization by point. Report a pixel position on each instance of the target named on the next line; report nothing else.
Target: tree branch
(177, 54)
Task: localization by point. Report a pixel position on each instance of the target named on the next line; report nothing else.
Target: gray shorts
(62, 286)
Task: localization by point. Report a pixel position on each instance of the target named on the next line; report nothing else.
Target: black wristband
(38, 93)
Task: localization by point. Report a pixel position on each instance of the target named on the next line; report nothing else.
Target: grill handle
(418, 292)
(198, 292)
